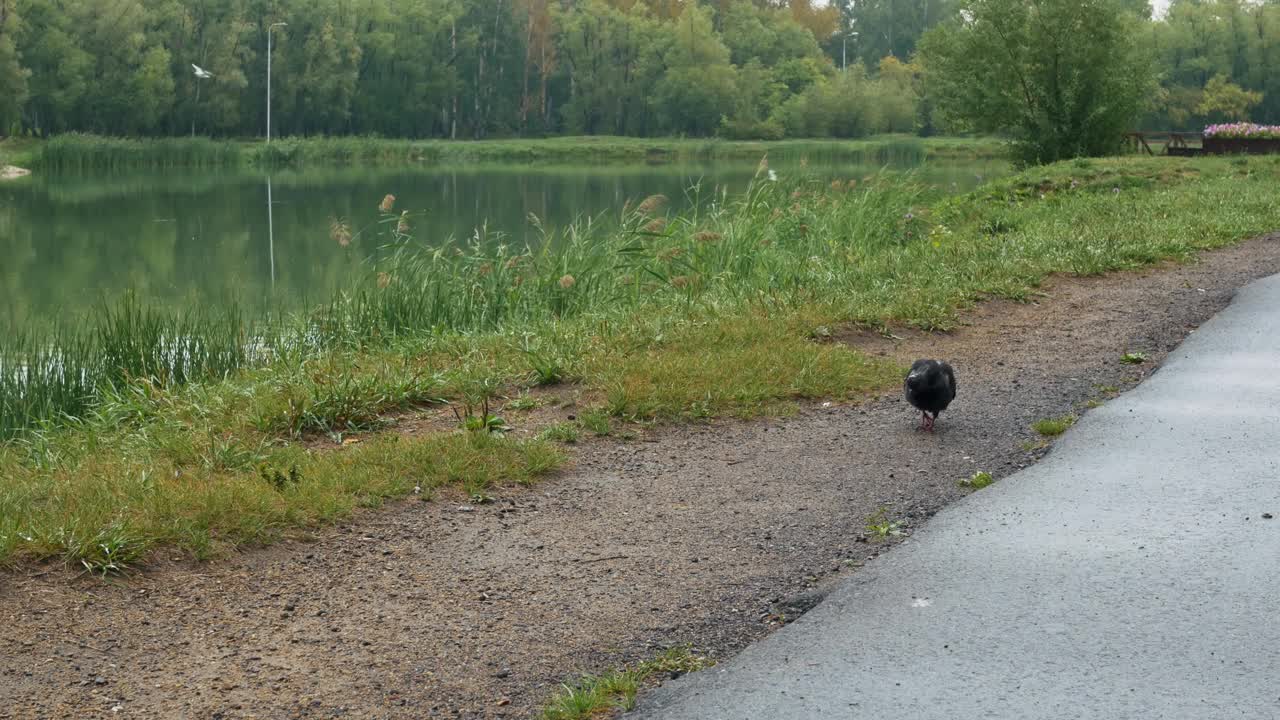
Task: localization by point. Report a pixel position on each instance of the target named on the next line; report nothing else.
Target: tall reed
(78, 152)
(769, 241)
(773, 239)
(58, 374)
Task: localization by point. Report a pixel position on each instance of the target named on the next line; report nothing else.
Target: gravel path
(1131, 574)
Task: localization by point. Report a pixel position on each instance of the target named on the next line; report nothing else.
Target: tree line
(1217, 60)
(502, 68)
(445, 68)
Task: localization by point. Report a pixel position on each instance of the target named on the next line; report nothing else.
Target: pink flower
(1243, 131)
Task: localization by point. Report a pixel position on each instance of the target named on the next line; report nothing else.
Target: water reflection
(271, 235)
(178, 239)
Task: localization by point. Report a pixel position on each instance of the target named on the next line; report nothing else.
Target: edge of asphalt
(1131, 573)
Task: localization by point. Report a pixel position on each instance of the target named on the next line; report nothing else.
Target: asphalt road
(1134, 573)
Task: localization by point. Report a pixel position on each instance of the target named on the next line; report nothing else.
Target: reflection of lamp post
(270, 27)
(201, 74)
(271, 235)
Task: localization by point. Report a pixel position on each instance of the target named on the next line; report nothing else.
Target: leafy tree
(896, 94)
(759, 92)
(1225, 99)
(13, 77)
(1199, 40)
(60, 69)
(1065, 78)
(700, 85)
(890, 27)
(843, 106)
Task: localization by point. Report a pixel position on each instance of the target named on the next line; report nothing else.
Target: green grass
(1053, 427)
(978, 480)
(18, 151)
(78, 152)
(106, 510)
(561, 432)
(598, 695)
(120, 431)
(880, 527)
(1133, 358)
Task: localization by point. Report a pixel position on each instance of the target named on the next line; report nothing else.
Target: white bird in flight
(201, 72)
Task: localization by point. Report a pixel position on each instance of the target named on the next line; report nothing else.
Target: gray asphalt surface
(1133, 573)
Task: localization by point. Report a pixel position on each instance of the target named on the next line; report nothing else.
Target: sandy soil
(708, 535)
(11, 172)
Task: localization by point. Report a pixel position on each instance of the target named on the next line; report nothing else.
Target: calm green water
(67, 243)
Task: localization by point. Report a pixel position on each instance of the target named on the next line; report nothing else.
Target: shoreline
(618, 325)
(90, 152)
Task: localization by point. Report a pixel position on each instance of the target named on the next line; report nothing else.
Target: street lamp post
(201, 74)
(844, 48)
(271, 27)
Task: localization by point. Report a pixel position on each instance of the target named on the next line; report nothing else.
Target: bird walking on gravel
(930, 387)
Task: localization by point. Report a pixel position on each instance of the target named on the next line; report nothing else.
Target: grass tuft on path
(595, 696)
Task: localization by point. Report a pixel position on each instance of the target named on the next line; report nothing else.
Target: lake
(69, 242)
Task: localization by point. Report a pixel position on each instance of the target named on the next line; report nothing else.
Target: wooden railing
(1173, 143)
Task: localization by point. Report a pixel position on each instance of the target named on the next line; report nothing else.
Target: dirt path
(693, 535)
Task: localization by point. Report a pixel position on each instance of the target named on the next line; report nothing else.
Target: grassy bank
(722, 311)
(18, 151)
(74, 152)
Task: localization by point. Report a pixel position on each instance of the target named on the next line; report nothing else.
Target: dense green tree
(60, 70)
(13, 76)
(699, 86)
(610, 62)
(1200, 40)
(1223, 99)
(888, 27)
(1065, 78)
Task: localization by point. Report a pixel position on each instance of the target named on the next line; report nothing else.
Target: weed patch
(561, 432)
(593, 695)
(880, 527)
(977, 481)
(1053, 427)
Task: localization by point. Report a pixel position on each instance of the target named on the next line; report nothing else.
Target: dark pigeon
(930, 387)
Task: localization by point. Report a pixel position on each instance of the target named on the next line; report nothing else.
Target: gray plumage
(930, 387)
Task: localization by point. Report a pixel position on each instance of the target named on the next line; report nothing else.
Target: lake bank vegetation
(139, 428)
(74, 152)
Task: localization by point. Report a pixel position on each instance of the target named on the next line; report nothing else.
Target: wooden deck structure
(1174, 143)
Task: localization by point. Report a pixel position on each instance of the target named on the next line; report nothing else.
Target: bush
(770, 129)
